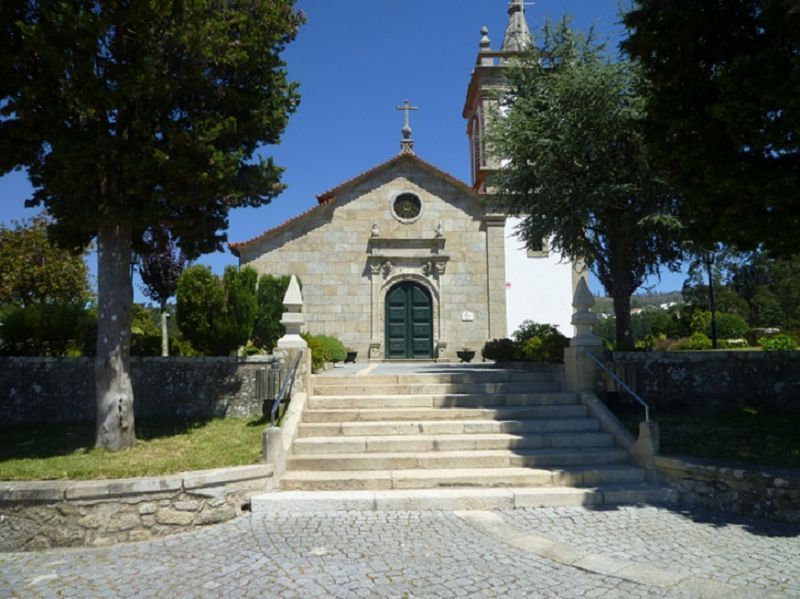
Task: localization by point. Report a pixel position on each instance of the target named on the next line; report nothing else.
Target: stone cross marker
(407, 144)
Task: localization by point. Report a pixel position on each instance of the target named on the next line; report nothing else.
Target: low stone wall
(36, 390)
(43, 514)
(713, 379)
(760, 492)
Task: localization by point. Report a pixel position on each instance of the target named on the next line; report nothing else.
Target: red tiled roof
(331, 193)
(235, 247)
(329, 197)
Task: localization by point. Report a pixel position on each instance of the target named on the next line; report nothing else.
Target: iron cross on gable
(407, 108)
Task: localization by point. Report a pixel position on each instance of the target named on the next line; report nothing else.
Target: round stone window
(407, 207)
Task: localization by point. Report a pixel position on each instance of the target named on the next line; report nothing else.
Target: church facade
(407, 262)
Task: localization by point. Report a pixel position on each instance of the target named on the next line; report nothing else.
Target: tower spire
(518, 36)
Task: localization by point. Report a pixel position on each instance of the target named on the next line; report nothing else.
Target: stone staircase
(457, 429)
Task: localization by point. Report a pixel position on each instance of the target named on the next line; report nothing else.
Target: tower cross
(407, 108)
(407, 144)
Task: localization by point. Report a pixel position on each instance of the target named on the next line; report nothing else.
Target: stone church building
(404, 261)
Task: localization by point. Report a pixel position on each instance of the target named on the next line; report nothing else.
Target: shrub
(531, 350)
(699, 340)
(48, 329)
(216, 316)
(730, 326)
(550, 347)
(334, 348)
(732, 343)
(779, 342)
(268, 328)
(499, 350)
(319, 354)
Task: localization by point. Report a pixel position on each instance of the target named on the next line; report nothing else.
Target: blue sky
(355, 60)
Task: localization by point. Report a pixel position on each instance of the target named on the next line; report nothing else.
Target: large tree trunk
(112, 363)
(622, 314)
(164, 330)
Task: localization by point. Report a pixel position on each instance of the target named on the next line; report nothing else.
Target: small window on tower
(538, 250)
(407, 207)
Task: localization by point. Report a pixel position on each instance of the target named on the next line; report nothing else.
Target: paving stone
(425, 554)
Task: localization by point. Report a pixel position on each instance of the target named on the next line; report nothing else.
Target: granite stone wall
(713, 379)
(63, 513)
(35, 390)
(760, 492)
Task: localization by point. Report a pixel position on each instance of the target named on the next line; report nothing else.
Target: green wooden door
(409, 322)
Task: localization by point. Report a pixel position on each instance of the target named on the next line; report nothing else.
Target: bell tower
(485, 86)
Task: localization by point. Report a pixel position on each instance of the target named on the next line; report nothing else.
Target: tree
(160, 269)
(132, 115)
(216, 315)
(723, 113)
(241, 305)
(268, 328)
(577, 168)
(32, 270)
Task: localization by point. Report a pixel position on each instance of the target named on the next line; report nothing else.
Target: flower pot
(465, 355)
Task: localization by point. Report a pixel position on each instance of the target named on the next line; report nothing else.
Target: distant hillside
(605, 305)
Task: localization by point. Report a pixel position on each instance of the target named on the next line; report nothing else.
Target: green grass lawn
(744, 435)
(67, 450)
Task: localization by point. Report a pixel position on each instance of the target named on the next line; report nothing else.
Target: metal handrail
(286, 386)
(622, 384)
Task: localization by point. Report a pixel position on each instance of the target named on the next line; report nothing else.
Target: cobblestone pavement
(419, 554)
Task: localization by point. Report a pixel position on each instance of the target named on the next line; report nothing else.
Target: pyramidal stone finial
(293, 319)
(293, 295)
(583, 318)
(518, 36)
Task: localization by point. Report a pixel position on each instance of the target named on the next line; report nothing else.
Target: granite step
(497, 458)
(320, 480)
(443, 400)
(503, 413)
(544, 373)
(608, 495)
(408, 443)
(453, 427)
(422, 388)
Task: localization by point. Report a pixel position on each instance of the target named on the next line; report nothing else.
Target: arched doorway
(409, 322)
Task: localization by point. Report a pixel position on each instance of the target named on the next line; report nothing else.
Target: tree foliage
(723, 113)
(133, 115)
(33, 270)
(57, 328)
(216, 315)
(268, 328)
(577, 168)
(161, 266)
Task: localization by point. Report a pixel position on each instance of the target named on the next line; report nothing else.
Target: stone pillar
(294, 321)
(581, 372)
(375, 334)
(496, 275)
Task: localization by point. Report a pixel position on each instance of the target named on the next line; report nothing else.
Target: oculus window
(407, 207)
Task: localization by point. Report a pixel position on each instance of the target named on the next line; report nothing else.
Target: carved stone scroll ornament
(388, 268)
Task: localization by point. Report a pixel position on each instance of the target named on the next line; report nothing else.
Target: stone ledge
(772, 493)
(43, 514)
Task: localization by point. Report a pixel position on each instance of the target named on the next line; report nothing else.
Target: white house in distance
(404, 261)
(540, 283)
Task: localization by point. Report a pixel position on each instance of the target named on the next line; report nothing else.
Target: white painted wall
(539, 288)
